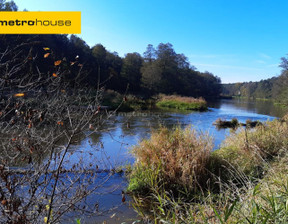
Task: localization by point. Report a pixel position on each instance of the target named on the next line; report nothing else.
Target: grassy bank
(182, 103)
(115, 100)
(276, 102)
(120, 102)
(179, 179)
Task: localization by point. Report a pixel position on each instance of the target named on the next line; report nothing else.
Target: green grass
(182, 103)
(125, 103)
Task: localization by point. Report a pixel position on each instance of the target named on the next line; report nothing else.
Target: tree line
(159, 70)
(274, 88)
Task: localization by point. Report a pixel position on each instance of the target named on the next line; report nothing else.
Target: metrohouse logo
(40, 22)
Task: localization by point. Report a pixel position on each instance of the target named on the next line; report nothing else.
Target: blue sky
(237, 40)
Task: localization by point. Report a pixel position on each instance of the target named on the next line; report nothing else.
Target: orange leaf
(57, 62)
(14, 139)
(72, 62)
(55, 75)
(60, 123)
(31, 150)
(19, 94)
(4, 202)
(46, 48)
(30, 125)
(63, 91)
(46, 55)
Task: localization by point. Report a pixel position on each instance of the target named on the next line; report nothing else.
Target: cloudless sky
(237, 40)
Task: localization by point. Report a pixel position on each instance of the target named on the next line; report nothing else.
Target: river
(110, 149)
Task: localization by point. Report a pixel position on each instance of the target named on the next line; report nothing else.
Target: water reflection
(110, 148)
(255, 106)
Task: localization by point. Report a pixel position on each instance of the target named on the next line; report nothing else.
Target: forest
(274, 88)
(158, 70)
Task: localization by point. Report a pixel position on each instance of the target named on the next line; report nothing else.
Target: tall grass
(250, 150)
(175, 170)
(178, 158)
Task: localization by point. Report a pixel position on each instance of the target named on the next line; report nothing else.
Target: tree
(151, 77)
(149, 54)
(165, 71)
(132, 64)
(8, 6)
(284, 64)
(99, 54)
(80, 45)
(161, 69)
(114, 65)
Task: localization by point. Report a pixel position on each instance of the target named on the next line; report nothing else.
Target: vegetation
(159, 70)
(51, 95)
(183, 181)
(234, 123)
(182, 103)
(177, 158)
(42, 115)
(122, 102)
(273, 89)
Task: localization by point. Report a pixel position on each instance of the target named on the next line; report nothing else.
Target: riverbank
(180, 179)
(274, 101)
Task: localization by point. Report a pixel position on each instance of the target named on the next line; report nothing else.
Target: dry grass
(183, 156)
(219, 123)
(251, 169)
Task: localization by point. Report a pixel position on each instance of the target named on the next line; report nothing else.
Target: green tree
(150, 53)
(8, 6)
(163, 69)
(80, 44)
(151, 77)
(132, 64)
(99, 54)
(284, 64)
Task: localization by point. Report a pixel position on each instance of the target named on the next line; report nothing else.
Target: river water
(111, 148)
